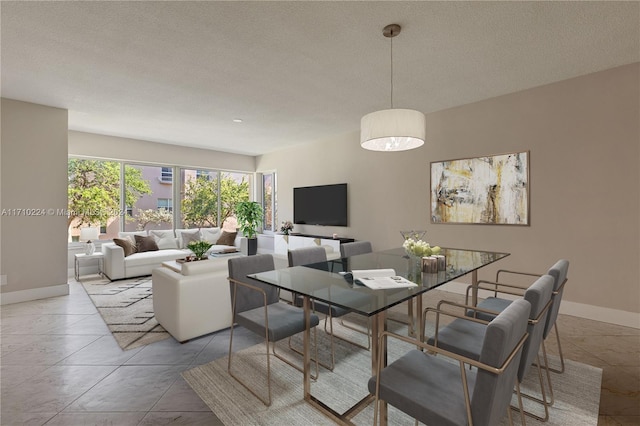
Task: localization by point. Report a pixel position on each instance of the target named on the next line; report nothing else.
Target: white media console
(284, 243)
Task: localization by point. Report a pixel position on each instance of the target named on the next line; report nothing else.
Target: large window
(93, 197)
(268, 201)
(113, 196)
(209, 197)
(150, 196)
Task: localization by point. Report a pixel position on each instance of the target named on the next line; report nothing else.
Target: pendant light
(392, 129)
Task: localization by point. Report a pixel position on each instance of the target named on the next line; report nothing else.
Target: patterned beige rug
(577, 391)
(127, 308)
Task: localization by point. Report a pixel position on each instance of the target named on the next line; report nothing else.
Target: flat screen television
(324, 205)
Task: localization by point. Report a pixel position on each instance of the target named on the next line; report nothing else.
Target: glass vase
(414, 268)
(413, 234)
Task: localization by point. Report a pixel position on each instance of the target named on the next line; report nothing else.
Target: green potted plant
(249, 215)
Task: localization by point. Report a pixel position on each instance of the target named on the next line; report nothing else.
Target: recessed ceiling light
(237, 120)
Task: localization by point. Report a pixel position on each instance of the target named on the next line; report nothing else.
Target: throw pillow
(145, 244)
(227, 238)
(188, 236)
(126, 244)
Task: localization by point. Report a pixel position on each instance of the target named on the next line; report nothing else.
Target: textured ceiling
(294, 72)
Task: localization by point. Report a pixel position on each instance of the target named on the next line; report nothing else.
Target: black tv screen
(320, 205)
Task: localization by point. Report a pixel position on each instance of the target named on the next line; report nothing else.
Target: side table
(81, 256)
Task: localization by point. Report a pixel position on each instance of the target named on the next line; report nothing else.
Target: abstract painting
(483, 190)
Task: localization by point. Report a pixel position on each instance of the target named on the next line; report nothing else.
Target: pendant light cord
(391, 40)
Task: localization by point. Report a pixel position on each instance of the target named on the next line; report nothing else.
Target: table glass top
(323, 281)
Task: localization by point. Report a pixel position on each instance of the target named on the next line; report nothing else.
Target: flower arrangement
(419, 248)
(287, 226)
(199, 248)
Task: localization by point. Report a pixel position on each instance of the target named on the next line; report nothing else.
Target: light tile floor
(59, 365)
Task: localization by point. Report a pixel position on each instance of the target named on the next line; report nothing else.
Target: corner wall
(34, 177)
(583, 136)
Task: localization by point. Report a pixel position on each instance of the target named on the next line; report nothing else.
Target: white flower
(419, 248)
(286, 226)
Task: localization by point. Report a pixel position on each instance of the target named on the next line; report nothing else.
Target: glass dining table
(330, 282)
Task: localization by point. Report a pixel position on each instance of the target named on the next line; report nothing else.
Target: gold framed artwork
(491, 190)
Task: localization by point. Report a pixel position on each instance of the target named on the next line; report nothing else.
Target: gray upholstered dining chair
(318, 255)
(355, 248)
(559, 272)
(437, 391)
(257, 307)
(361, 247)
(465, 337)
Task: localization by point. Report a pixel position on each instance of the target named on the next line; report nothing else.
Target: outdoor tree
(231, 193)
(200, 199)
(200, 202)
(94, 190)
(157, 216)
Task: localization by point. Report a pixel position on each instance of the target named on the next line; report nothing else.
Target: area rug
(127, 308)
(577, 391)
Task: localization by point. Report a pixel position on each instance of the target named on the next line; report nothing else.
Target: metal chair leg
(315, 344)
(542, 401)
(267, 401)
(337, 336)
(356, 329)
(522, 418)
(547, 369)
(410, 321)
(315, 358)
(561, 370)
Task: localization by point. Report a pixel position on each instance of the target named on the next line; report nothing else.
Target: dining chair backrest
(355, 248)
(492, 392)
(239, 268)
(538, 295)
(307, 256)
(559, 272)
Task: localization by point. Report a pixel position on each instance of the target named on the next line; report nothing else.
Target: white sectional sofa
(195, 301)
(172, 245)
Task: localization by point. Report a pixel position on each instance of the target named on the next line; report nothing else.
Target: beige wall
(116, 148)
(34, 176)
(583, 136)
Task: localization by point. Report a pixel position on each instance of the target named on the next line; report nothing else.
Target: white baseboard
(581, 310)
(34, 294)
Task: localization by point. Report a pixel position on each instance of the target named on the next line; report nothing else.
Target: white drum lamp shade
(89, 234)
(393, 130)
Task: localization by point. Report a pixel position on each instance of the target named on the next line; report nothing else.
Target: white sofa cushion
(131, 235)
(165, 239)
(162, 233)
(153, 257)
(210, 235)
